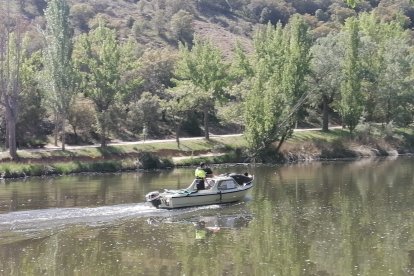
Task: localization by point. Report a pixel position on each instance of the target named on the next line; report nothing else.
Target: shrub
(147, 160)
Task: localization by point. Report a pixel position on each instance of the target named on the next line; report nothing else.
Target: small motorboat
(225, 188)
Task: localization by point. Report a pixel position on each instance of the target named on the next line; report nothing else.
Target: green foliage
(271, 80)
(182, 27)
(352, 100)
(386, 62)
(269, 11)
(59, 77)
(352, 3)
(145, 113)
(32, 123)
(328, 54)
(13, 53)
(278, 86)
(131, 78)
(156, 70)
(202, 68)
(82, 119)
(80, 16)
(60, 80)
(99, 59)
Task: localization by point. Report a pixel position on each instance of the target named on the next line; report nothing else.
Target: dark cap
(202, 164)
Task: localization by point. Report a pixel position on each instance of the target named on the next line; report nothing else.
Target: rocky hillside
(162, 23)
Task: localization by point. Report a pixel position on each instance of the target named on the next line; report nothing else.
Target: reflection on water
(327, 218)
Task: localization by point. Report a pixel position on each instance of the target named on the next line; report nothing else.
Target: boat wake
(44, 222)
(34, 221)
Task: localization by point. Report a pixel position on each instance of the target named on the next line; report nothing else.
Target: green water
(329, 218)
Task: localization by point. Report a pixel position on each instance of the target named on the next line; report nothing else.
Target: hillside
(157, 27)
(154, 23)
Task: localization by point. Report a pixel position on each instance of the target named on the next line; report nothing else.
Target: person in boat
(200, 175)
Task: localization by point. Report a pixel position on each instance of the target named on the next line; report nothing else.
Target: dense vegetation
(90, 71)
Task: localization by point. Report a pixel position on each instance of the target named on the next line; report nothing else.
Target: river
(319, 218)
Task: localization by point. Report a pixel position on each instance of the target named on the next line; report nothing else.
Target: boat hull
(202, 198)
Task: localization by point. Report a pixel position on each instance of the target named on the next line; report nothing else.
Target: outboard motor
(154, 198)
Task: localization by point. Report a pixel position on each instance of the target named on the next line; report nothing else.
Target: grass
(16, 170)
(336, 143)
(186, 147)
(330, 136)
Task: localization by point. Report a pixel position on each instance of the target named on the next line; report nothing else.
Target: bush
(82, 119)
(147, 160)
(182, 27)
(145, 112)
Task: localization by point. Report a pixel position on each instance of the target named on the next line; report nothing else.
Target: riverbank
(303, 146)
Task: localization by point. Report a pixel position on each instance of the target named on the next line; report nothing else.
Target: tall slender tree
(352, 99)
(59, 75)
(281, 65)
(12, 56)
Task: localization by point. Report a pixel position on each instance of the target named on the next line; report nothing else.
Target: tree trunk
(12, 140)
(11, 135)
(56, 130)
(63, 132)
(6, 142)
(281, 141)
(103, 129)
(103, 136)
(177, 133)
(325, 114)
(206, 131)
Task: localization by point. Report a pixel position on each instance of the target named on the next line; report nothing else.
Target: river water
(320, 218)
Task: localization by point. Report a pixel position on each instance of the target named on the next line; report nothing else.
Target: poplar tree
(59, 77)
(12, 57)
(352, 100)
(263, 104)
(281, 62)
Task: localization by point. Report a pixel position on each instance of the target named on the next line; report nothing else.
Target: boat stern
(154, 198)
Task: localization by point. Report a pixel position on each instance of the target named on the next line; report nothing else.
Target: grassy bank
(121, 157)
(304, 145)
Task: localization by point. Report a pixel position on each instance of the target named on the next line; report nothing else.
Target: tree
(281, 65)
(327, 54)
(81, 14)
(395, 94)
(386, 63)
(82, 118)
(32, 127)
(179, 106)
(145, 112)
(59, 75)
(12, 56)
(202, 66)
(156, 70)
(352, 100)
(182, 26)
(99, 58)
